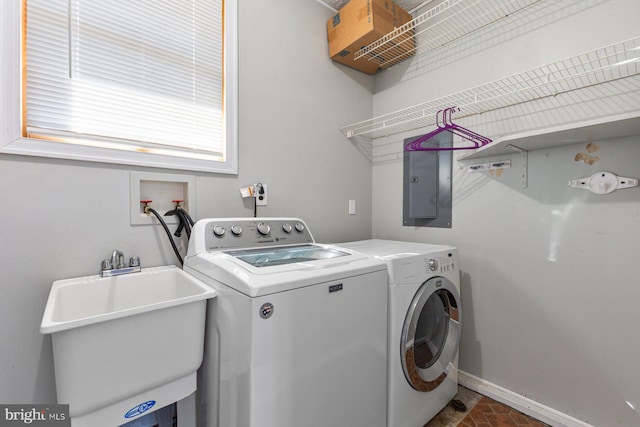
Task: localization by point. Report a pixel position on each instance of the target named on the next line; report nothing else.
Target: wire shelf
(610, 63)
(436, 23)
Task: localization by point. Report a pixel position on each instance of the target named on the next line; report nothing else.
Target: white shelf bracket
(524, 168)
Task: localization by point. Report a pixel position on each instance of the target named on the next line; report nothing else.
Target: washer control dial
(237, 233)
(218, 230)
(264, 228)
(433, 264)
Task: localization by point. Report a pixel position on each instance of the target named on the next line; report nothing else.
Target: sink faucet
(116, 266)
(117, 259)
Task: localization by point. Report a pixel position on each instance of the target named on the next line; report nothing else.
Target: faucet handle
(106, 265)
(134, 261)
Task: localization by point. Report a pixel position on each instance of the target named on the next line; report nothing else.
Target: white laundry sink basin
(93, 299)
(122, 342)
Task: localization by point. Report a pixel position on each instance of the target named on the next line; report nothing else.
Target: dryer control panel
(440, 263)
(232, 233)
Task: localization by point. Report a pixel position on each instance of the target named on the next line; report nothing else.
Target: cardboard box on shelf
(360, 23)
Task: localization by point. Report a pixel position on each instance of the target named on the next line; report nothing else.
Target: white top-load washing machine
(297, 335)
(424, 327)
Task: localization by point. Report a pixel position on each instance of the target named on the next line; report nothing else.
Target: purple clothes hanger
(417, 144)
(475, 137)
(448, 125)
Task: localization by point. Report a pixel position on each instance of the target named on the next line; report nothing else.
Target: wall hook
(604, 183)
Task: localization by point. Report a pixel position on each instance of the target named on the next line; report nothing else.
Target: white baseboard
(523, 404)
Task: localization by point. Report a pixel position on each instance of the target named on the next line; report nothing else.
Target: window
(150, 83)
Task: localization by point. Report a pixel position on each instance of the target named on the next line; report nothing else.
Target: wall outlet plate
(261, 194)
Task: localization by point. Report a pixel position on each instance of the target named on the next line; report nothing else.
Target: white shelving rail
(448, 21)
(607, 64)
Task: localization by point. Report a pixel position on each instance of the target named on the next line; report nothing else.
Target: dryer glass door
(431, 334)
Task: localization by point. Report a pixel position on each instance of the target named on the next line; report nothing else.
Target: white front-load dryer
(424, 315)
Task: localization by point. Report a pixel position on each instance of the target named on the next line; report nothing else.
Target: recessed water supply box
(127, 345)
(162, 190)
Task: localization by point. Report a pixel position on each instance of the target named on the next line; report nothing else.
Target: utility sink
(125, 345)
(93, 299)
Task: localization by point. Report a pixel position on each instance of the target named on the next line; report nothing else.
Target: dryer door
(431, 334)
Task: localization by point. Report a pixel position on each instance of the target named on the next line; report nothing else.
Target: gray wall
(550, 273)
(62, 217)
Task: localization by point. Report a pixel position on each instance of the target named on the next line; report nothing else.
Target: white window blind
(134, 75)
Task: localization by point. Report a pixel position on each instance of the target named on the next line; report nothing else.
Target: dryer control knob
(433, 264)
(218, 230)
(299, 227)
(287, 228)
(263, 228)
(236, 230)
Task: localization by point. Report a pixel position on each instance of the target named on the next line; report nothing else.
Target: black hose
(184, 222)
(186, 214)
(178, 231)
(166, 229)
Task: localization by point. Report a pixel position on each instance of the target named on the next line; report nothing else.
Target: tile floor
(482, 412)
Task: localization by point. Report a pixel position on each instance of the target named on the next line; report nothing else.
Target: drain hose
(166, 230)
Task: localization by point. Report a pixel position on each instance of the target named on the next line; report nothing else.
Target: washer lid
(261, 256)
(281, 255)
(320, 266)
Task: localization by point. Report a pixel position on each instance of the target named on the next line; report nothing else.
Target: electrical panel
(427, 184)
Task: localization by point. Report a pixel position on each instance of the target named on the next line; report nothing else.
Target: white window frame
(11, 106)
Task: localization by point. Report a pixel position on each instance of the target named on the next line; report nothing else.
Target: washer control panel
(255, 232)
